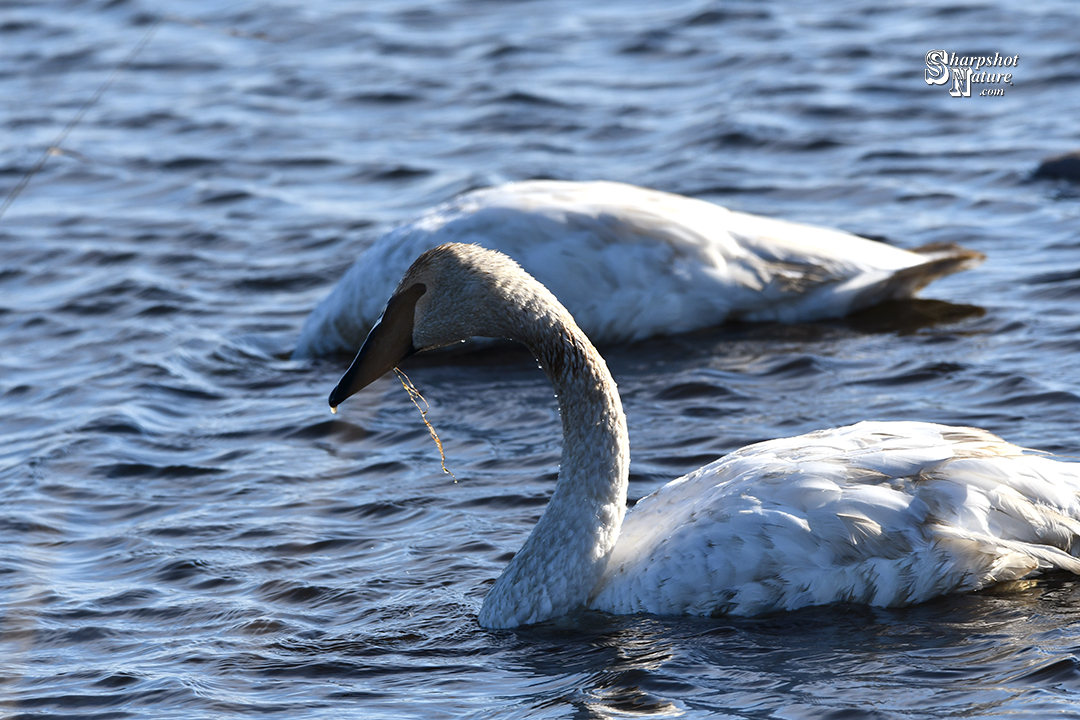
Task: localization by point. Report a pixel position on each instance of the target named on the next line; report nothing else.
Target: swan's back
(629, 262)
(881, 513)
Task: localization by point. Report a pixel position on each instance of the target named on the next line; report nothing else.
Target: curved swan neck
(566, 554)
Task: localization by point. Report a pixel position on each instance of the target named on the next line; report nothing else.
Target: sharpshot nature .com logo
(968, 70)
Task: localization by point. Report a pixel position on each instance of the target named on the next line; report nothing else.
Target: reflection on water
(905, 317)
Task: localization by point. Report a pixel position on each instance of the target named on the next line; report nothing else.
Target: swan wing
(886, 514)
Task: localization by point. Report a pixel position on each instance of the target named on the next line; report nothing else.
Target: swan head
(450, 293)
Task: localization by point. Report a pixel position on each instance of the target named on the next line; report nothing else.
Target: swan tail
(941, 259)
(964, 257)
(1004, 560)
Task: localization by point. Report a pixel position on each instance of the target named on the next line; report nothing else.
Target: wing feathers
(882, 513)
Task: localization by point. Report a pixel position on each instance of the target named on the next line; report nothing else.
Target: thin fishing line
(54, 148)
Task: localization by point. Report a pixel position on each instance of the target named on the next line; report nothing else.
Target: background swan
(630, 262)
(884, 513)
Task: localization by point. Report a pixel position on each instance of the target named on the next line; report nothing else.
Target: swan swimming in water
(882, 513)
(629, 263)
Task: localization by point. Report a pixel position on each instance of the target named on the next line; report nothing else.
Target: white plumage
(630, 263)
(881, 513)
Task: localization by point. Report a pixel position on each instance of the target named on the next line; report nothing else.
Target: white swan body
(630, 263)
(882, 513)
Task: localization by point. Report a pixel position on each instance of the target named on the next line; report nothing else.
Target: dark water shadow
(900, 317)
